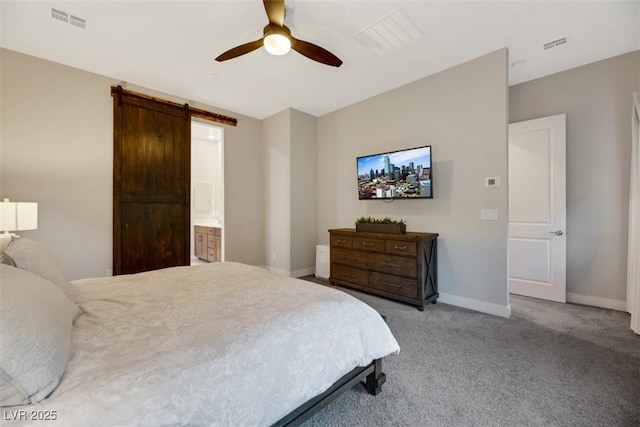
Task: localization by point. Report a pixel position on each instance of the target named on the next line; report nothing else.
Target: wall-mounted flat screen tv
(401, 174)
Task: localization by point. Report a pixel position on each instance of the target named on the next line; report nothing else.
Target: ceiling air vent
(555, 43)
(67, 18)
(78, 22)
(389, 33)
(60, 15)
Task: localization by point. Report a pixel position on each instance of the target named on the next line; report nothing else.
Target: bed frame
(371, 374)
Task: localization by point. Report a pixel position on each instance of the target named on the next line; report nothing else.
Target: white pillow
(29, 255)
(35, 337)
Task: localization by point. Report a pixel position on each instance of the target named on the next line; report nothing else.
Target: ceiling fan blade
(240, 50)
(315, 52)
(275, 11)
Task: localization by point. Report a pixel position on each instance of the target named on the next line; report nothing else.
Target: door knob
(557, 232)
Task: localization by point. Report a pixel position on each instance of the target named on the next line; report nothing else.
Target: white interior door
(537, 208)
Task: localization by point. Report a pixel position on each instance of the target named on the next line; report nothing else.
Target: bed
(221, 344)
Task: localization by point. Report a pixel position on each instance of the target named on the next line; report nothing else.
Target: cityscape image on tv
(398, 174)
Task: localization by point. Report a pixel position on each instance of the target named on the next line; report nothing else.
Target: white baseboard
(613, 304)
(472, 304)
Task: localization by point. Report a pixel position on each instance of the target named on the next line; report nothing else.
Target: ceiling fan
(277, 40)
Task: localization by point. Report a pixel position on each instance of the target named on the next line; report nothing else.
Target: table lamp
(16, 216)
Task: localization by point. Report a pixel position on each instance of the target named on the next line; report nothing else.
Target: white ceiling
(170, 46)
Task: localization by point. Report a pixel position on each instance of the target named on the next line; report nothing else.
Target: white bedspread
(222, 344)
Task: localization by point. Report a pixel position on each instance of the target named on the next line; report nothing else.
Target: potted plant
(384, 225)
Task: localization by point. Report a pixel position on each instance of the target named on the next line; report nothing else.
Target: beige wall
(462, 114)
(597, 101)
(304, 192)
(276, 137)
(56, 148)
(290, 141)
(243, 195)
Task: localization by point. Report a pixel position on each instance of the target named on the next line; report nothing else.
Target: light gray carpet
(550, 364)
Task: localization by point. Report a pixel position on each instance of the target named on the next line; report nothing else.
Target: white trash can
(322, 261)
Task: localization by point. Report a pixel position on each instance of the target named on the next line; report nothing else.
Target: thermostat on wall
(492, 181)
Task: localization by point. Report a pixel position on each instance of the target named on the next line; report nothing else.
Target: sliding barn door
(151, 181)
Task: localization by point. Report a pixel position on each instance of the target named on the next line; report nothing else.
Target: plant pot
(382, 228)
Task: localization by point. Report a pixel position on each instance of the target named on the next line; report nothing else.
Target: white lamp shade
(15, 216)
(276, 43)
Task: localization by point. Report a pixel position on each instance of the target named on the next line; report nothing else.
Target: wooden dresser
(402, 267)
(208, 243)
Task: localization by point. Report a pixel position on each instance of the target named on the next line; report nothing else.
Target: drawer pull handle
(391, 265)
(347, 275)
(367, 244)
(347, 257)
(399, 247)
(391, 284)
(341, 241)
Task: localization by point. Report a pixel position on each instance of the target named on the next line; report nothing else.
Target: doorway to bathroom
(207, 192)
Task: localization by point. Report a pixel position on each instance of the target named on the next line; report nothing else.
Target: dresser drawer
(341, 241)
(211, 254)
(401, 247)
(396, 265)
(350, 257)
(367, 244)
(348, 274)
(393, 284)
(211, 241)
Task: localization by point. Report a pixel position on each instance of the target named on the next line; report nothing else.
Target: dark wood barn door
(151, 184)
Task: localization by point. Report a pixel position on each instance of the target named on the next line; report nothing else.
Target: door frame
(221, 215)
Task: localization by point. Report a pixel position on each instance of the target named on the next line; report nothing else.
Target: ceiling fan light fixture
(277, 40)
(277, 43)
